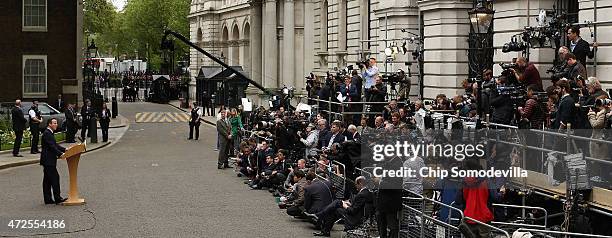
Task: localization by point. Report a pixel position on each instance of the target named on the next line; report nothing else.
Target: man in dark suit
(224, 129)
(565, 113)
(51, 151)
(580, 47)
(317, 196)
(352, 212)
(59, 104)
(19, 123)
(71, 123)
(389, 201)
(336, 135)
(86, 113)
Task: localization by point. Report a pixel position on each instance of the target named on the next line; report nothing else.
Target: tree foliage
(141, 24)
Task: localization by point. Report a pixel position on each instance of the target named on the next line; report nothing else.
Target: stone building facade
(278, 42)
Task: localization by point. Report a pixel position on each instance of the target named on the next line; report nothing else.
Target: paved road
(153, 183)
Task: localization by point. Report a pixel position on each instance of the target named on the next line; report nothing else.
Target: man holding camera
(502, 105)
(369, 73)
(527, 73)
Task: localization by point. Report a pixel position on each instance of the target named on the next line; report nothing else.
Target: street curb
(34, 161)
(204, 120)
(110, 127)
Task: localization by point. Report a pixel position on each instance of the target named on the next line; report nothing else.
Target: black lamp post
(480, 53)
(92, 52)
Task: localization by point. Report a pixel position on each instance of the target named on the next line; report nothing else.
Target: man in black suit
(389, 201)
(352, 212)
(86, 113)
(71, 124)
(565, 112)
(336, 136)
(19, 123)
(60, 104)
(580, 47)
(51, 151)
(317, 196)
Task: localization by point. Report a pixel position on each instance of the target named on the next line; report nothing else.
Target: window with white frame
(34, 15)
(34, 75)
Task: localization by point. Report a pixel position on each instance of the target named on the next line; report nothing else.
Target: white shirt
(32, 113)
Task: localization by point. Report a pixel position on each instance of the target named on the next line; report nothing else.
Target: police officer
(34, 121)
(194, 122)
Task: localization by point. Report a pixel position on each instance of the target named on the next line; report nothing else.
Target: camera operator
(296, 208)
(574, 68)
(527, 73)
(485, 96)
(442, 103)
(310, 138)
(247, 165)
(533, 110)
(597, 118)
(502, 104)
(377, 94)
(300, 166)
(390, 109)
(369, 74)
(276, 173)
(560, 68)
(595, 91)
(580, 47)
(262, 153)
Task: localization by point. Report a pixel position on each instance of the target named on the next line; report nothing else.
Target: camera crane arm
(239, 74)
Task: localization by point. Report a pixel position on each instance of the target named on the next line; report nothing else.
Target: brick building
(41, 49)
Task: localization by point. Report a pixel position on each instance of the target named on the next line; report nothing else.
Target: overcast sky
(119, 4)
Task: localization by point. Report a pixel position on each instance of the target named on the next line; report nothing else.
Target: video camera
(397, 77)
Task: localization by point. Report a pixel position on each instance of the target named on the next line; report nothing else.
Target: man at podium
(51, 151)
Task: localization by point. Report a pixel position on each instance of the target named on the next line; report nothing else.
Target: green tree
(140, 26)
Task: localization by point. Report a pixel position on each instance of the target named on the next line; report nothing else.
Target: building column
(308, 37)
(289, 44)
(255, 41)
(270, 75)
(446, 28)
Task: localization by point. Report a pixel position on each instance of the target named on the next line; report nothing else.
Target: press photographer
(526, 73)
(501, 102)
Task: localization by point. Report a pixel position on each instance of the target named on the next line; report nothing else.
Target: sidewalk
(206, 119)
(117, 128)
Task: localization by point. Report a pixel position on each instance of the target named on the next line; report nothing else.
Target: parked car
(47, 112)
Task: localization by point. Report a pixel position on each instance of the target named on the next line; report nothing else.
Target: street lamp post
(480, 51)
(89, 87)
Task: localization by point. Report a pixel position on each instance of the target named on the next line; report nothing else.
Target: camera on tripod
(397, 77)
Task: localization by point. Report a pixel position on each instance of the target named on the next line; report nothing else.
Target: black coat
(317, 196)
(19, 121)
(582, 50)
(565, 113)
(105, 118)
(364, 200)
(50, 149)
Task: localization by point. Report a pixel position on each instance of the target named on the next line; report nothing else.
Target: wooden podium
(72, 157)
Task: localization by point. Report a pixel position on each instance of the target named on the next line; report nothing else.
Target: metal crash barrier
(420, 219)
(558, 234)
